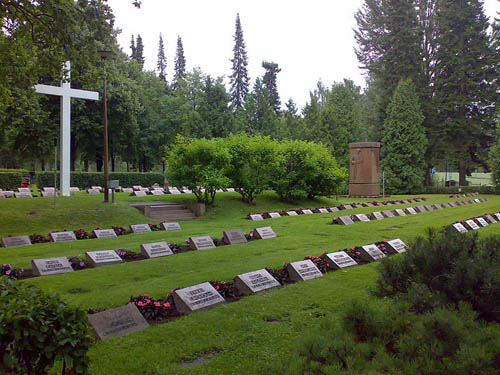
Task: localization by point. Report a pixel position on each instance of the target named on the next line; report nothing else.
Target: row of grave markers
(127, 319)
(477, 222)
(351, 219)
(55, 266)
(325, 210)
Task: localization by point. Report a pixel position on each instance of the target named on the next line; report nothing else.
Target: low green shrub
(37, 329)
(11, 179)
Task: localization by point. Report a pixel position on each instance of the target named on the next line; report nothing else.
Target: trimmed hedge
(463, 189)
(11, 178)
(84, 180)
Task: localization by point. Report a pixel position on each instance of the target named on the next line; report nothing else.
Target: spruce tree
(180, 63)
(139, 51)
(132, 48)
(271, 84)
(403, 142)
(162, 61)
(494, 158)
(239, 78)
(464, 95)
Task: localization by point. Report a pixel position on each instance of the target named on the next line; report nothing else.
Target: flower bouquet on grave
(355, 253)
(155, 227)
(92, 234)
(336, 221)
(218, 241)
(250, 236)
(155, 309)
(38, 238)
(226, 289)
(11, 272)
(280, 274)
(127, 254)
(77, 263)
(320, 262)
(80, 234)
(120, 231)
(382, 246)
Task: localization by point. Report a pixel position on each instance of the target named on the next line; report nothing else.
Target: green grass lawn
(245, 337)
(473, 179)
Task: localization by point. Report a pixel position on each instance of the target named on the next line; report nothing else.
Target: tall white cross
(66, 93)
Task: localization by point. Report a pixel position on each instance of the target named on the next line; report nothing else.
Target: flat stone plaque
(347, 207)
(23, 195)
(197, 297)
(234, 236)
(96, 187)
(345, 220)
(334, 209)
(171, 226)
(230, 190)
(74, 189)
(201, 243)
(361, 217)
(472, 224)
(24, 190)
(256, 217)
(411, 211)
(377, 215)
(104, 233)
(497, 215)
(307, 212)
(460, 228)
(93, 191)
(396, 246)
(52, 266)
(322, 210)
(420, 209)
(157, 192)
(140, 228)
(48, 193)
(429, 207)
(274, 215)
(339, 260)
(139, 193)
(127, 190)
(291, 213)
(187, 191)
(264, 232)
(8, 193)
(400, 212)
(371, 253)
(16, 241)
(438, 206)
(303, 270)
(136, 187)
(404, 201)
(116, 322)
(368, 204)
(481, 221)
(63, 236)
(490, 219)
(388, 213)
(174, 191)
(452, 204)
(102, 257)
(477, 200)
(156, 249)
(358, 205)
(255, 281)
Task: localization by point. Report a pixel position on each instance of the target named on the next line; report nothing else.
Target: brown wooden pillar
(364, 169)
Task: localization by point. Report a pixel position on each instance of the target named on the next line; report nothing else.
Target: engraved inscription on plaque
(291, 213)
(23, 195)
(102, 257)
(140, 228)
(156, 249)
(171, 226)
(396, 246)
(256, 281)
(234, 236)
(411, 211)
(377, 215)
(347, 207)
(196, 297)
(104, 233)
(117, 322)
(345, 220)
(63, 236)
(361, 217)
(322, 210)
(52, 266)
(140, 193)
(482, 222)
(339, 260)
(490, 219)
(400, 212)
(274, 215)
(256, 217)
(472, 224)
(201, 243)
(388, 213)
(264, 232)
(307, 212)
(460, 228)
(371, 253)
(16, 241)
(303, 270)
(334, 209)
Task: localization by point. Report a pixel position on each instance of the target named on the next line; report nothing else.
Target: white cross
(66, 93)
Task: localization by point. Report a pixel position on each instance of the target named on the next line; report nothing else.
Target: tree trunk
(98, 163)
(428, 175)
(462, 175)
(42, 163)
(86, 165)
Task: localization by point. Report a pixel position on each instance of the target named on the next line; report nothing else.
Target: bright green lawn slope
(247, 336)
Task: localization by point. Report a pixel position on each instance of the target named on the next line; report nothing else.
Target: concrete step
(173, 217)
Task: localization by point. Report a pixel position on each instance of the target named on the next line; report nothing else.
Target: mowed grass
(245, 337)
(473, 179)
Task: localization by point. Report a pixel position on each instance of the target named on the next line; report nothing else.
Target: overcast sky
(310, 40)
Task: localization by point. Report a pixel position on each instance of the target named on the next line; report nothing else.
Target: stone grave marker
(358, 205)
(255, 281)
(445, 205)
(303, 270)
(307, 212)
(460, 228)
(291, 213)
(156, 249)
(219, 191)
(452, 204)
(345, 220)
(117, 322)
(140, 228)
(472, 224)
(361, 217)
(411, 210)
(404, 201)
(171, 226)
(201, 243)
(459, 203)
(51, 266)
(127, 190)
(174, 191)
(497, 216)
(388, 213)
(196, 297)
(136, 187)
(74, 189)
(157, 192)
(339, 260)
(400, 212)
(322, 210)
(396, 246)
(139, 193)
(429, 207)
(24, 190)
(97, 188)
(234, 236)
(63, 236)
(481, 221)
(369, 204)
(334, 209)
(230, 190)
(477, 200)
(420, 209)
(377, 215)
(104, 233)
(16, 241)
(347, 207)
(102, 258)
(256, 217)
(438, 206)
(49, 189)
(8, 193)
(264, 232)
(187, 191)
(48, 193)
(2, 195)
(93, 191)
(274, 215)
(490, 219)
(23, 194)
(371, 253)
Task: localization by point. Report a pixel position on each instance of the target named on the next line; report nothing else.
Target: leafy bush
(446, 268)
(36, 329)
(12, 179)
(199, 164)
(85, 180)
(306, 170)
(253, 159)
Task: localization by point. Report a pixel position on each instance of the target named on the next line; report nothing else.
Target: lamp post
(105, 55)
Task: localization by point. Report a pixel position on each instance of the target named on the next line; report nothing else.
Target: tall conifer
(132, 48)
(239, 78)
(161, 65)
(139, 51)
(270, 81)
(180, 63)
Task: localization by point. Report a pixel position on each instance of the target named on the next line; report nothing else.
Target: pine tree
(162, 61)
(239, 78)
(404, 142)
(261, 117)
(494, 158)
(132, 48)
(139, 51)
(271, 84)
(464, 94)
(180, 63)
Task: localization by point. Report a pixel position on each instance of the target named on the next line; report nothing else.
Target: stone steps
(166, 211)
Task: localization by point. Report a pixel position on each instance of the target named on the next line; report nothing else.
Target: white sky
(310, 40)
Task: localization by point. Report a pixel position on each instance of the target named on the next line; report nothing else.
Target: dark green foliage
(180, 64)
(161, 65)
(260, 115)
(85, 180)
(139, 51)
(270, 81)
(11, 180)
(239, 78)
(403, 142)
(446, 269)
(494, 160)
(37, 329)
